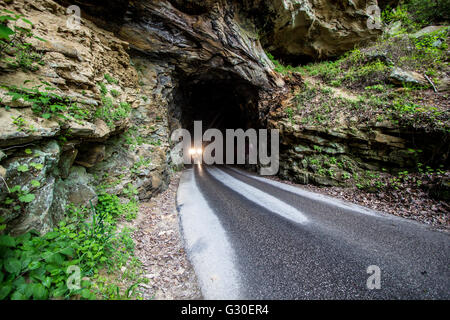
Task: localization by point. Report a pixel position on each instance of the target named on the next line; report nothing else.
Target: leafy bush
(415, 14)
(109, 204)
(433, 43)
(400, 13)
(36, 267)
(426, 11)
(111, 112)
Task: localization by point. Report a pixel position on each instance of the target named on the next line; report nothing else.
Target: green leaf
(37, 166)
(47, 282)
(35, 183)
(7, 241)
(28, 151)
(27, 21)
(28, 290)
(38, 274)
(51, 235)
(4, 18)
(16, 188)
(25, 288)
(46, 115)
(34, 265)
(13, 265)
(8, 11)
(85, 293)
(27, 198)
(67, 251)
(40, 39)
(59, 291)
(23, 168)
(19, 282)
(17, 295)
(5, 290)
(5, 32)
(23, 238)
(39, 292)
(55, 258)
(25, 259)
(26, 31)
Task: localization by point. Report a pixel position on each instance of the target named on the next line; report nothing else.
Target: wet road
(253, 238)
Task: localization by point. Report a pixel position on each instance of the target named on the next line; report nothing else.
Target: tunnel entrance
(218, 103)
(221, 101)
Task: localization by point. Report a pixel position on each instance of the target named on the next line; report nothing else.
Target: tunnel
(220, 100)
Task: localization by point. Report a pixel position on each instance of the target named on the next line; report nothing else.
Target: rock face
(330, 156)
(399, 76)
(314, 29)
(226, 36)
(61, 161)
(212, 44)
(131, 73)
(12, 134)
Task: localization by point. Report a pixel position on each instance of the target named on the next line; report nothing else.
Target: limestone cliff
(96, 108)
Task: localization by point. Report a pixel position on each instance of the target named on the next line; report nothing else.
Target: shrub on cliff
(426, 11)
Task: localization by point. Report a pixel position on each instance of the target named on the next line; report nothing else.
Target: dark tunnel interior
(219, 101)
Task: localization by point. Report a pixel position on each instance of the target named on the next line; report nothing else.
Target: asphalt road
(252, 238)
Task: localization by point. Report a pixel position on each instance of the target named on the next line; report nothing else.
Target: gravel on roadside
(159, 246)
(408, 203)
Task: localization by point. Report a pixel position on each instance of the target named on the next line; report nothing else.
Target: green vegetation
(39, 267)
(366, 73)
(46, 103)
(401, 14)
(342, 170)
(415, 14)
(376, 104)
(279, 67)
(432, 45)
(111, 111)
(88, 239)
(353, 96)
(15, 50)
(114, 93)
(133, 139)
(110, 79)
(139, 165)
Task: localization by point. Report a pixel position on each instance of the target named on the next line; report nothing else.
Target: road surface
(249, 237)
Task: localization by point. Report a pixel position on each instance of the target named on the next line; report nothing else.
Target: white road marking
(259, 197)
(314, 196)
(206, 242)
